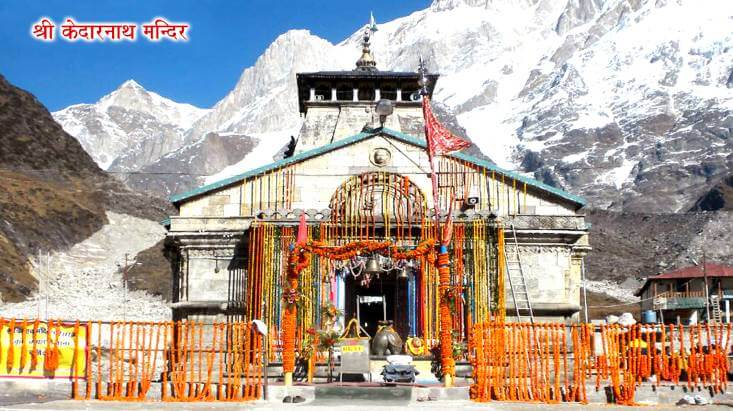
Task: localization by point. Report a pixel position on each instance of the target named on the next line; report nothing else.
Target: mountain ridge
(562, 91)
(52, 194)
(130, 120)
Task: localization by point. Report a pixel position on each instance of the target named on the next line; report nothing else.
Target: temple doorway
(383, 298)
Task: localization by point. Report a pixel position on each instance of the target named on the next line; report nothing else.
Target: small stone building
(359, 175)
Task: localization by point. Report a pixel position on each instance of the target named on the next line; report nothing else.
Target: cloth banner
(72, 356)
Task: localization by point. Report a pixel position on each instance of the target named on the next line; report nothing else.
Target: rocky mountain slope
(85, 282)
(188, 166)
(52, 194)
(720, 196)
(130, 127)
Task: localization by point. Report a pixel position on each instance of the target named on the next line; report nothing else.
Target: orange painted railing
(143, 361)
(554, 362)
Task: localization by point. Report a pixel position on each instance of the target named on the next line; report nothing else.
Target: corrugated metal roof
(713, 270)
(176, 199)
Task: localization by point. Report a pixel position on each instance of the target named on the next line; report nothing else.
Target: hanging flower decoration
(447, 362)
(330, 313)
(291, 296)
(327, 339)
(452, 294)
(299, 260)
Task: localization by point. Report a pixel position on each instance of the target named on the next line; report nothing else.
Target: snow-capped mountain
(130, 121)
(265, 97)
(627, 102)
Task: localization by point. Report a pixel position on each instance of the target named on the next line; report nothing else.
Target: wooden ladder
(517, 281)
(715, 312)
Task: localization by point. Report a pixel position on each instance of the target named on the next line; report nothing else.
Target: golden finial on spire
(366, 62)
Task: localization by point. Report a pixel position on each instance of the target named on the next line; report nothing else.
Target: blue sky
(225, 38)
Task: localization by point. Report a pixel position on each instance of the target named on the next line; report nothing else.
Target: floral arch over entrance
(378, 197)
(363, 202)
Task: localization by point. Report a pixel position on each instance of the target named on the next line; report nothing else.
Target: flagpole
(433, 177)
(447, 361)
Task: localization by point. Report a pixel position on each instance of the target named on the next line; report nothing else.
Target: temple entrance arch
(383, 207)
(378, 197)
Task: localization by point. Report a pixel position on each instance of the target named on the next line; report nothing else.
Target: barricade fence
(554, 362)
(193, 361)
(138, 361)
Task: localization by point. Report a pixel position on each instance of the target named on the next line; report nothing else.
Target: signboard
(354, 355)
(71, 359)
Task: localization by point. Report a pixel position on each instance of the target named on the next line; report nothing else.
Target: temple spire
(366, 61)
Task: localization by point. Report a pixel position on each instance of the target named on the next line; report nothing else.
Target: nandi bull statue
(386, 341)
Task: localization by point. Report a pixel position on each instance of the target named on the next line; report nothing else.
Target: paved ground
(12, 398)
(351, 405)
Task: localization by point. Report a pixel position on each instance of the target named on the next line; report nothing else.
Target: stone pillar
(312, 94)
(183, 277)
(377, 94)
(356, 95)
(399, 95)
(334, 94)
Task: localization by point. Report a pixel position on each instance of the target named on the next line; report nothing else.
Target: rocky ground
(719, 197)
(85, 282)
(627, 246)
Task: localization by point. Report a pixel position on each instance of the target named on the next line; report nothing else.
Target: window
(344, 92)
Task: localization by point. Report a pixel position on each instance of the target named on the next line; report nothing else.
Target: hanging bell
(403, 275)
(372, 265)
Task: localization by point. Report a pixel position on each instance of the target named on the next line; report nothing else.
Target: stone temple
(358, 173)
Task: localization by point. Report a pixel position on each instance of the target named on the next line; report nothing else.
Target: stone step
(363, 393)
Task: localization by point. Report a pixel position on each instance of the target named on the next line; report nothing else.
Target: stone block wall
(326, 124)
(318, 178)
(552, 275)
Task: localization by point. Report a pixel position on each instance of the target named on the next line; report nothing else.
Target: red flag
(302, 237)
(440, 140)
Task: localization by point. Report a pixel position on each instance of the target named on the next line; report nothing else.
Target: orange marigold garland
(446, 319)
(51, 359)
(11, 346)
(299, 260)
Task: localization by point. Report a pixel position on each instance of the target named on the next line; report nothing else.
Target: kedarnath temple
(360, 178)
(374, 235)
